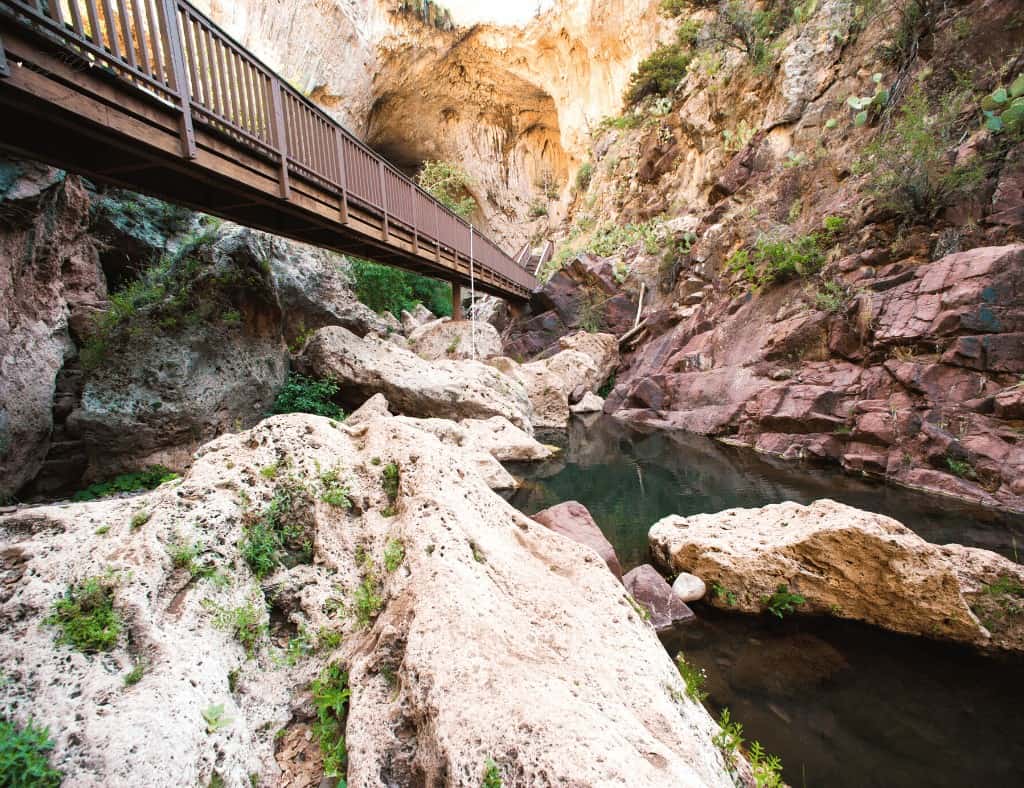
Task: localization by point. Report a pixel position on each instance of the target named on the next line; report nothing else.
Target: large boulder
(204, 355)
(572, 519)
(651, 590)
(843, 562)
(464, 630)
(315, 290)
(583, 365)
(455, 339)
(412, 385)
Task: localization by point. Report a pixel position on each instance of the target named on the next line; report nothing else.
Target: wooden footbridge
(150, 95)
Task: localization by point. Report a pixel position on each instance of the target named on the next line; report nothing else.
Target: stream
(844, 705)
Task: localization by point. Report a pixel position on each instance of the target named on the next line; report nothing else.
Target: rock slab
(573, 519)
(649, 588)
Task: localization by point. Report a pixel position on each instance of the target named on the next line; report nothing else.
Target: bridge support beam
(456, 301)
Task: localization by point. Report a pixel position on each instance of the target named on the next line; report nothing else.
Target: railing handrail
(211, 78)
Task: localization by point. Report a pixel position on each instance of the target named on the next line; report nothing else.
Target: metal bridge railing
(172, 51)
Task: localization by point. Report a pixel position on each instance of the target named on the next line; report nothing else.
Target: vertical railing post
(339, 138)
(383, 199)
(415, 225)
(176, 53)
(280, 134)
(437, 232)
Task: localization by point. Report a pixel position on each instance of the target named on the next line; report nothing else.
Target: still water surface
(844, 705)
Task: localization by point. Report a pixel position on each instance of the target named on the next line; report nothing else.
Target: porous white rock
(498, 636)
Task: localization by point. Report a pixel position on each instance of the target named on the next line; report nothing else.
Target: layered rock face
(848, 563)
(475, 649)
(50, 279)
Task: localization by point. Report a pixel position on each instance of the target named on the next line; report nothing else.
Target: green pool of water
(844, 705)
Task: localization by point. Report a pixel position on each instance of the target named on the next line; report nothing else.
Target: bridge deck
(151, 96)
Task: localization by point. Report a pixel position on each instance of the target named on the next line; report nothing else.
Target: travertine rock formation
(493, 635)
(848, 563)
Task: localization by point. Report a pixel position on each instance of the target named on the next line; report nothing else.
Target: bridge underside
(59, 109)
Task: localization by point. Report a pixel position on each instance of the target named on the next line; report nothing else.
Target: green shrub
(831, 296)
(659, 73)
(387, 289)
(308, 395)
(1003, 109)
(583, 176)
(912, 25)
(330, 697)
(961, 468)
(723, 593)
(86, 617)
(782, 602)
(771, 261)
(729, 738)
(742, 26)
(449, 184)
(24, 757)
(767, 768)
(909, 168)
(628, 121)
(148, 479)
(538, 208)
(134, 676)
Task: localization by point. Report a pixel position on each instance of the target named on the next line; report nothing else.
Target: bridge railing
(175, 53)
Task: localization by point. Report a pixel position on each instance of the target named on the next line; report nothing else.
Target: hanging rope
(472, 295)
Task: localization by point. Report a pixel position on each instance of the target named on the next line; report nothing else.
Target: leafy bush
(831, 296)
(777, 261)
(767, 768)
(308, 395)
(367, 601)
(741, 26)
(783, 601)
(729, 738)
(583, 176)
(86, 617)
(335, 491)
(149, 479)
(330, 696)
(910, 170)
(663, 69)
(449, 184)
(538, 208)
(244, 622)
(383, 288)
(24, 758)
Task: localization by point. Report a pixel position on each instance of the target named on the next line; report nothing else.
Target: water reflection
(628, 479)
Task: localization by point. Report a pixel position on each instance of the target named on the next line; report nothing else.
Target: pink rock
(649, 588)
(572, 519)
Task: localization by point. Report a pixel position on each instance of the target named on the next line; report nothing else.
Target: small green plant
(660, 72)
(961, 468)
(1003, 109)
(453, 345)
(102, 530)
(782, 602)
(184, 556)
(270, 471)
(1005, 585)
(591, 315)
(606, 387)
(391, 479)
(394, 554)
(335, 492)
(245, 623)
(367, 601)
(134, 676)
(330, 697)
(148, 479)
(231, 316)
(767, 768)
(538, 208)
(308, 395)
(869, 107)
(140, 518)
(280, 534)
(737, 139)
(834, 225)
(24, 757)
(327, 639)
(729, 738)
(772, 261)
(298, 648)
(215, 718)
(831, 296)
(723, 593)
(492, 775)
(640, 610)
(693, 677)
(86, 617)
